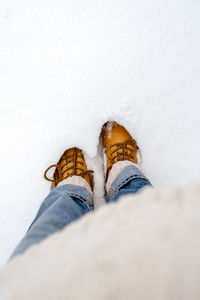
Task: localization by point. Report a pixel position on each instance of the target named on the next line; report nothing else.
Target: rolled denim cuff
(75, 191)
(127, 174)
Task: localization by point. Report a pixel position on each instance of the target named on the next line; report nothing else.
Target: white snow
(68, 66)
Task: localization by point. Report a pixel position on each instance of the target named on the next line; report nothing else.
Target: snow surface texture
(67, 67)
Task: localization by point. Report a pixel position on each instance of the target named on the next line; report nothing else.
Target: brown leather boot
(118, 144)
(71, 163)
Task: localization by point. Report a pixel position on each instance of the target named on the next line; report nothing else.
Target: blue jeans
(67, 203)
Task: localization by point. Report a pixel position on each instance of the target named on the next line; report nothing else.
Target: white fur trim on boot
(116, 169)
(76, 180)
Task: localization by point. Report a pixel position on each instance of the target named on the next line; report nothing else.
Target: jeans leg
(63, 205)
(130, 181)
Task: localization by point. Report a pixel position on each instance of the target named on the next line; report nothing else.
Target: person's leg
(125, 178)
(123, 175)
(67, 202)
(61, 207)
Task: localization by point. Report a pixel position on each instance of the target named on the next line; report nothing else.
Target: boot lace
(76, 166)
(123, 151)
